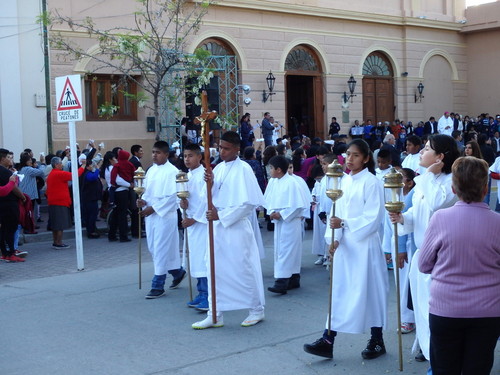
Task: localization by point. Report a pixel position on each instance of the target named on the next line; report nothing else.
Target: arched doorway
(304, 93)
(378, 88)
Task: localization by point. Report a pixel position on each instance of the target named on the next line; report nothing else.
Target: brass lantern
(334, 173)
(181, 181)
(393, 182)
(139, 176)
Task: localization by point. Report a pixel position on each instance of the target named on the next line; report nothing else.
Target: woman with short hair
(461, 251)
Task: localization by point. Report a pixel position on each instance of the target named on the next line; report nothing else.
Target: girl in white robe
(432, 192)
(360, 282)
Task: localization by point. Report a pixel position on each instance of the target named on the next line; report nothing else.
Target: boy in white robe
(196, 225)
(238, 272)
(159, 208)
(285, 205)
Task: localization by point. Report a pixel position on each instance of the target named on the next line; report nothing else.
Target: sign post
(69, 109)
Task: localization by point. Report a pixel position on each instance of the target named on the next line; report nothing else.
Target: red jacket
(57, 188)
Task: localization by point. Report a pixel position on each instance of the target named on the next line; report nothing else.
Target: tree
(146, 52)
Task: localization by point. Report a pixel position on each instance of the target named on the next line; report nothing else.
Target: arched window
(377, 64)
(217, 48)
(301, 58)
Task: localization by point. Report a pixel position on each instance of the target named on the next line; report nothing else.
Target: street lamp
(420, 89)
(351, 83)
(270, 86)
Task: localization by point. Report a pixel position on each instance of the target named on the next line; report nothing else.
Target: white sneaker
(207, 323)
(320, 260)
(252, 319)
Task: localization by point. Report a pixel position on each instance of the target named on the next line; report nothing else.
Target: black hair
(280, 162)
(364, 149)
(409, 173)
(193, 147)
(322, 150)
(481, 139)
(384, 154)
(455, 133)
(446, 145)
(281, 149)
(268, 153)
(3, 153)
(106, 162)
(25, 158)
(248, 152)
(134, 149)
(162, 146)
(316, 171)
(414, 140)
(297, 159)
(329, 158)
(115, 151)
(231, 137)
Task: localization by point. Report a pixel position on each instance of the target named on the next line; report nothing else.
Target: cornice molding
(269, 6)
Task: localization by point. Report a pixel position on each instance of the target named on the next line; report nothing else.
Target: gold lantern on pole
(334, 174)
(393, 183)
(181, 181)
(139, 176)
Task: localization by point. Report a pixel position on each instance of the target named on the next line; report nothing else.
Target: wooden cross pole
(204, 119)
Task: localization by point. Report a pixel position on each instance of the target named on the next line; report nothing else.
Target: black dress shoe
(294, 282)
(112, 239)
(93, 235)
(320, 347)
(420, 357)
(280, 286)
(176, 282)
(374, 349)
(125, 240)
(155, 293)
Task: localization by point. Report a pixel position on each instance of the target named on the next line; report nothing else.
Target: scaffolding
(225, 70)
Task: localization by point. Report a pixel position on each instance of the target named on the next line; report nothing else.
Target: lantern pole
(183, 193)
(393, 182)
(334, 174)
(139, 176)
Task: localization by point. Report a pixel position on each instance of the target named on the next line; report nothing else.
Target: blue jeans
(202, 287)
(158, 281)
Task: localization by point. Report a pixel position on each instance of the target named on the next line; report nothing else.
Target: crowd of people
(441, 163)
(104, 183)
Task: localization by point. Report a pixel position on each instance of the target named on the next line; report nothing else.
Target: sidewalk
(61, 321)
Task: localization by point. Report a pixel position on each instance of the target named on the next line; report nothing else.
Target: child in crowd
(196, 225)
(285, 203)
(384, 164)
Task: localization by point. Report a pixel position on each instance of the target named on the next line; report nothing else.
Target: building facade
(312, 47)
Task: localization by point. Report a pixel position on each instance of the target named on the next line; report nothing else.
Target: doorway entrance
(304, 93)
(378, 89)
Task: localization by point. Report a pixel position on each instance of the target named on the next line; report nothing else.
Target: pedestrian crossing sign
(68, 94)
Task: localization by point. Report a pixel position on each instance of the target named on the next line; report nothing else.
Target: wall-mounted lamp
(351, 83)
(420, 88)
(270, 85)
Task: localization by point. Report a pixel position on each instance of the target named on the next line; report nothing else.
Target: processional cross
(204, 119)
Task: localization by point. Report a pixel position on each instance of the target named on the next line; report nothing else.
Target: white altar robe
(161, 227)
(431, 193)
(197, 233)
(285, 195)
(236, 194)
(360, 282)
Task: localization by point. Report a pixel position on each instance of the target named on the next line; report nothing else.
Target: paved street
(61, 321)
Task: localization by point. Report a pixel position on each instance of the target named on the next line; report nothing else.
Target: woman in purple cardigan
(461, 251)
